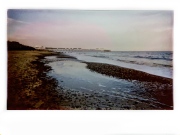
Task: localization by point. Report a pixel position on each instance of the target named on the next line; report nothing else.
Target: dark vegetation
(17, 46)
(29, 88)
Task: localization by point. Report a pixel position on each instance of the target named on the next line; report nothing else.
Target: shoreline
(160, 88)
(30, 88)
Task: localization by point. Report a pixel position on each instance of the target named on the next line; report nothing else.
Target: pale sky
(116, 29)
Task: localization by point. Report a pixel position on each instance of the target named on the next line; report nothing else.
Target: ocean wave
(130, 61)
(99, 56)
(153, 58)
(163, 65)
(142, 63)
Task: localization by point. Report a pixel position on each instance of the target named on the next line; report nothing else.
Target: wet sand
(158, 87)
(125, 73)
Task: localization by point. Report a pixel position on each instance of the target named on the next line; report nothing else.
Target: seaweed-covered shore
(160, 88)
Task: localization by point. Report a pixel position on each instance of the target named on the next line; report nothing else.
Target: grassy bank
(28, 85)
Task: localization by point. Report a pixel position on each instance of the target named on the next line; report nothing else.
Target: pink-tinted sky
(115, 30)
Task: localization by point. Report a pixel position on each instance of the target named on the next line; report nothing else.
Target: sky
(117, 30)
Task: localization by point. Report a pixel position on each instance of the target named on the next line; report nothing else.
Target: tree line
(17, 46)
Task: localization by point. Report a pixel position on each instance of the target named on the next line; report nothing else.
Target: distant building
(39, 47)
(107, 50)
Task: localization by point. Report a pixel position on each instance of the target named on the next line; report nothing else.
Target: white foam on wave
(100, 85)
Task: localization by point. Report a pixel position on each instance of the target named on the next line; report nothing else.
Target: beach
(55, 80)
(158, 87)
(28, 86)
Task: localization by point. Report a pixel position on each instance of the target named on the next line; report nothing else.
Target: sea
(154, 62)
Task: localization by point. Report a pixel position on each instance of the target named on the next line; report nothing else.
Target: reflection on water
(97, 89)
(75, 75)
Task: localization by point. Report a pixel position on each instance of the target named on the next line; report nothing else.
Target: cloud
(117, 30)
(13, 26)
(11, 21)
